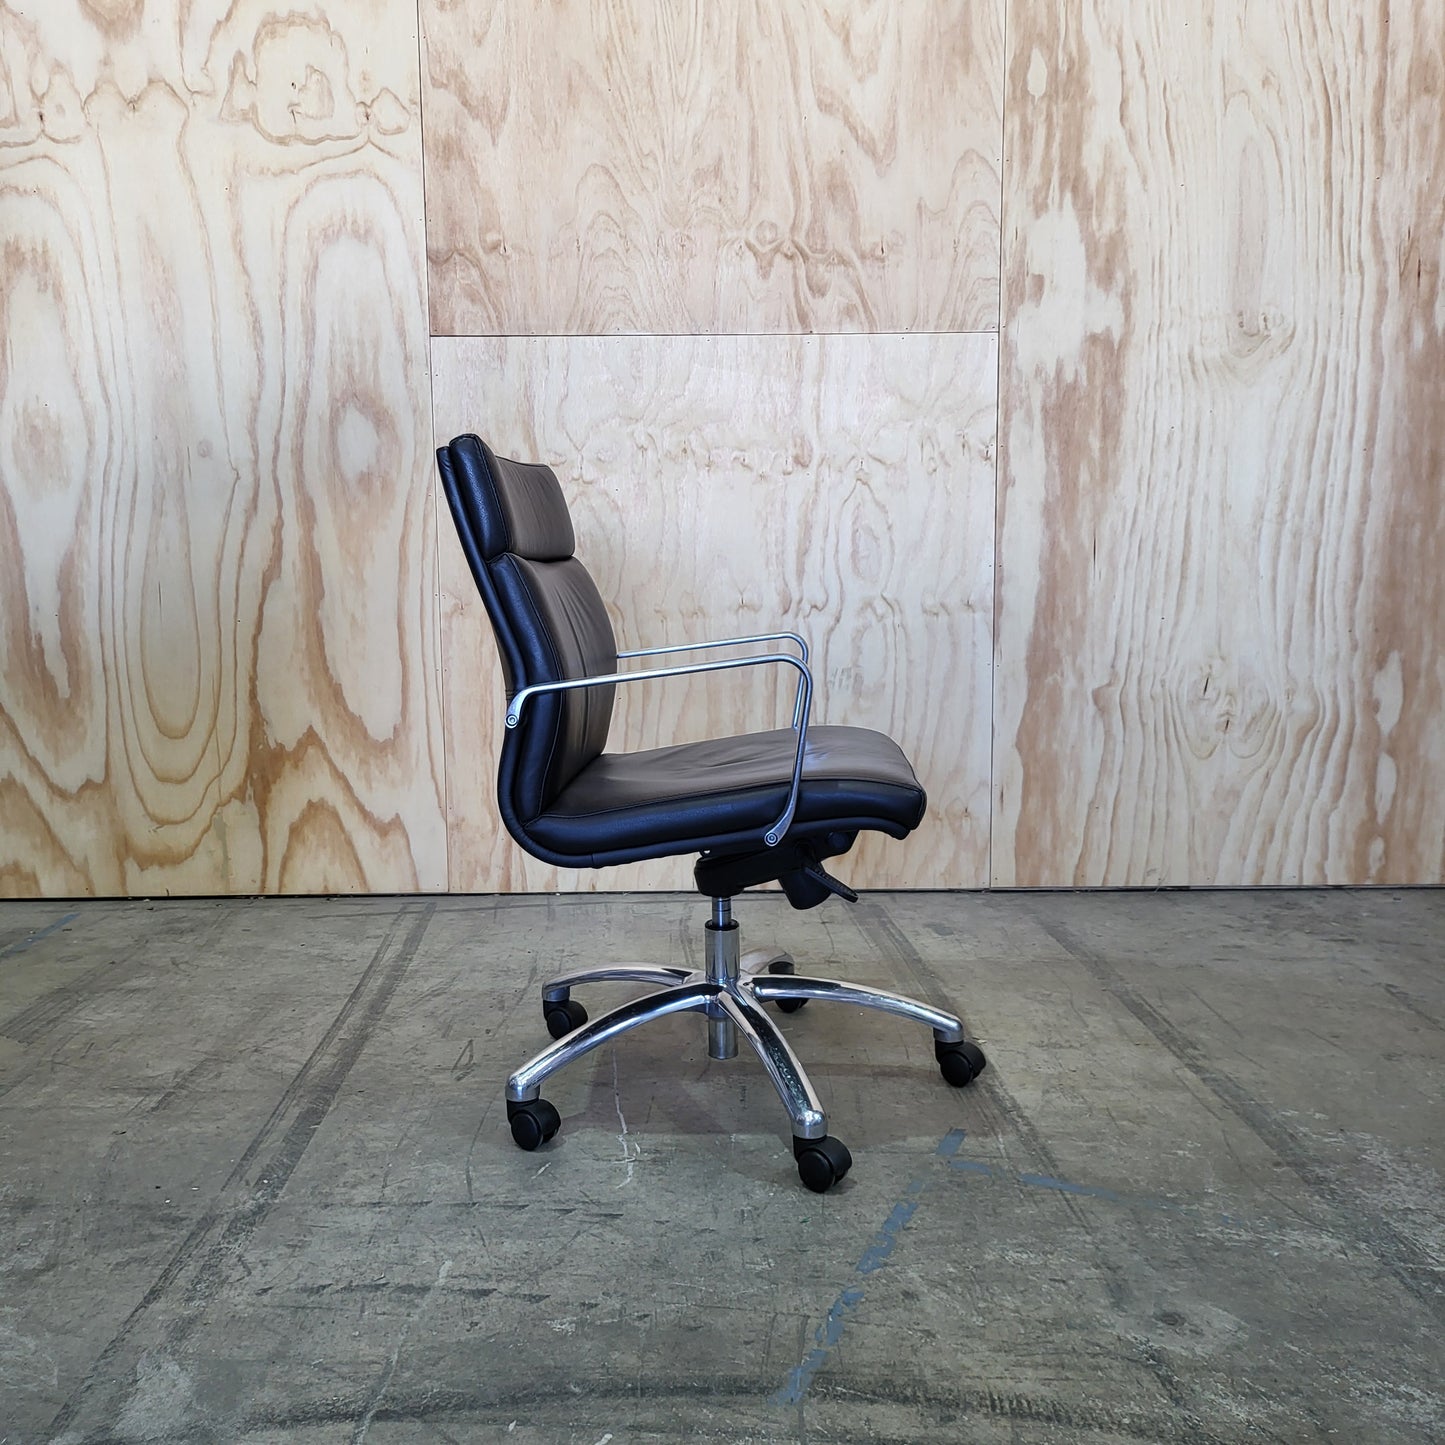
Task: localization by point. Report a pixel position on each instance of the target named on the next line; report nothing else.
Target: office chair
(757, 808)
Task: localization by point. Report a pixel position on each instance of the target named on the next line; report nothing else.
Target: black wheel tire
(563, 1017)
(960, 1064)
(533, 1123)
(785, 1005)
(822, 1162)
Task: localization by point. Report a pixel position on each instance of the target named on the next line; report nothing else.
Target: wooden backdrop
(217, 536)
(1220, 652)
(1073, 374)
(797, 204)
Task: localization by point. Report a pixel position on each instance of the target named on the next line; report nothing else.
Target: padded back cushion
(549, 620)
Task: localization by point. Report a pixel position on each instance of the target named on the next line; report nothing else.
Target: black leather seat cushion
(724, 793)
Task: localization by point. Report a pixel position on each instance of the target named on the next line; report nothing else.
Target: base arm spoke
(778, 1058)
(526, 1083)
(947, 1028)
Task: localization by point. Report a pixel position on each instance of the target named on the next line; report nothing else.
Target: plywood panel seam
(990, 331)
(998, 436)
(438, 515)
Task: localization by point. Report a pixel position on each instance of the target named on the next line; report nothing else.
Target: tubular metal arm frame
(735, 642)
(802, 703)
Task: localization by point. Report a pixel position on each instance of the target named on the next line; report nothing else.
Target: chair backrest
(548, 617)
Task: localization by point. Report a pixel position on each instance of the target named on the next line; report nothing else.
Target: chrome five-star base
(730, 992)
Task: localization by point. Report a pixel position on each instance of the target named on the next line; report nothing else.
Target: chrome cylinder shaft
(722, 968)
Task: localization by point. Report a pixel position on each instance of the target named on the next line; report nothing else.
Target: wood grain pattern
(841, 486)
(217, 537)
(743, 166)
(1221, 641)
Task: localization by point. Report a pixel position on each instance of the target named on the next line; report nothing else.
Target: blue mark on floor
(830, 1332)
(1067, 1186)
(1088, 1191)
(828, 1335)
(972, 1166)
(882, 1245)
(876, 1255)
(30, 940)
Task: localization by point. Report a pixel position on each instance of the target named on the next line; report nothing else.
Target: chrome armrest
(734, 642)
(800, 711)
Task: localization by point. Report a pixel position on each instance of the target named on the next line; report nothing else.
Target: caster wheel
(785, 1005)
(821, 1162)
(533, 1123)
(563, 1017)
(960, 1063)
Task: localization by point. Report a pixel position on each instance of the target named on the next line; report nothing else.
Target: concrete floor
(256, 1181)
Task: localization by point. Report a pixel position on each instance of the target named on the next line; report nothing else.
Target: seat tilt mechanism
(796, 867)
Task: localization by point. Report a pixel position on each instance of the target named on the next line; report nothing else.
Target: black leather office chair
(755, 808)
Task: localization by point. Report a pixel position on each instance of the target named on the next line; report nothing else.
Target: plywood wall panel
(1221, 558)
(840, 486)
(743, 166)
(218, 646)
